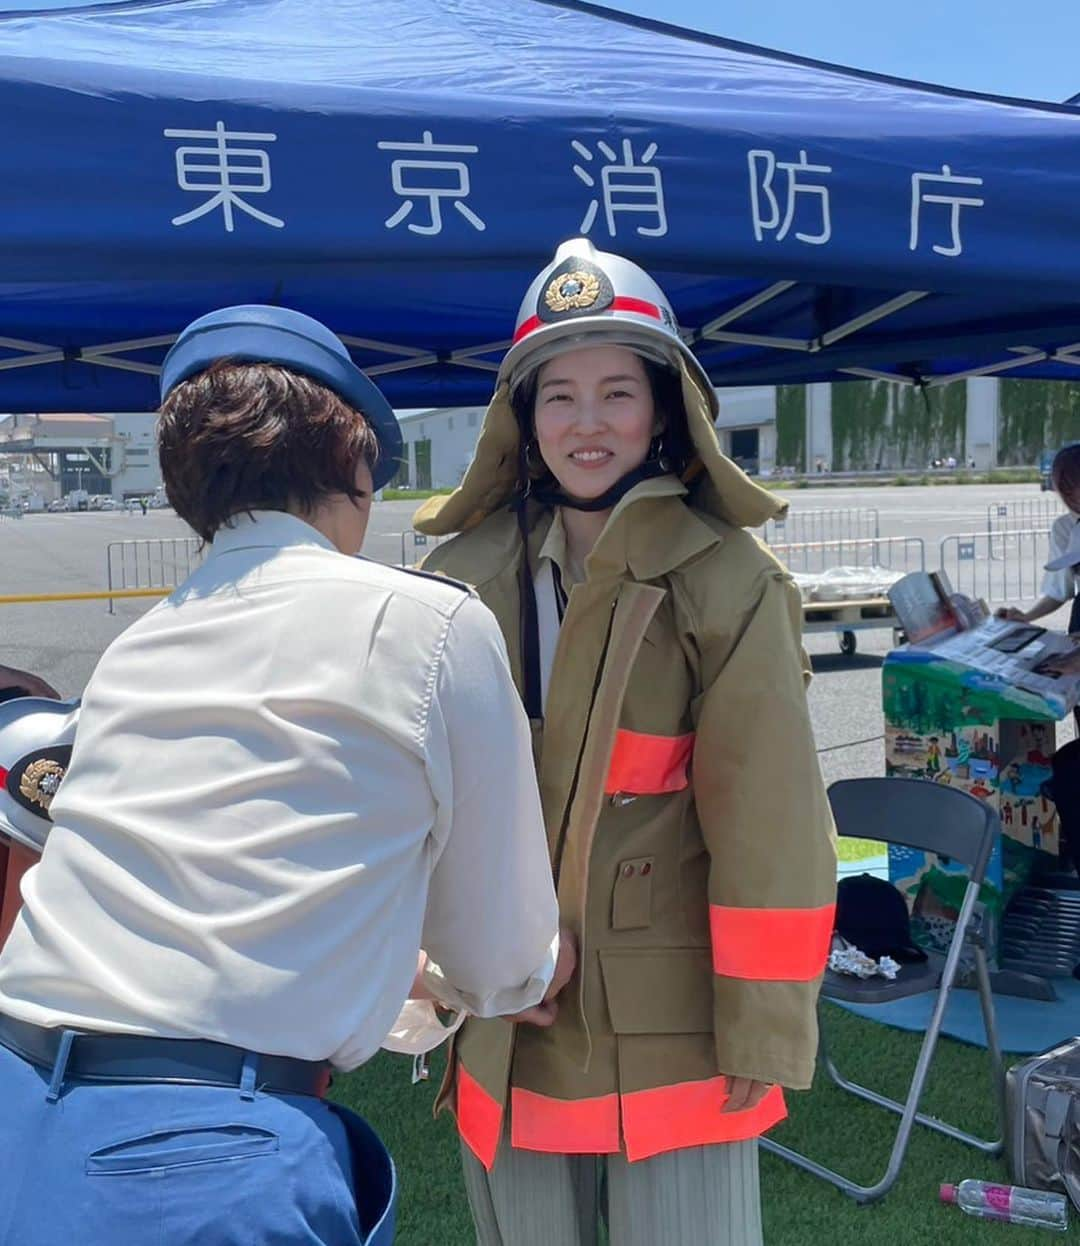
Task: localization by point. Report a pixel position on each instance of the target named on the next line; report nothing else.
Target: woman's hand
(1012, 614)
(31, 685)
(564, 966)
(743, 1094)
(544, 1013)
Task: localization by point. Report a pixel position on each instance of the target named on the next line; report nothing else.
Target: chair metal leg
(993, 1042)
(892, 1105)
(908, 1110)
(908, 1115)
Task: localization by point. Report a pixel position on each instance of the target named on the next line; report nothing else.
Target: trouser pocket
(182, 1148)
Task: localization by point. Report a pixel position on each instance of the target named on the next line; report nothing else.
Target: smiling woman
(657, 650)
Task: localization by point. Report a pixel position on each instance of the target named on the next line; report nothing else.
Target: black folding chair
(927, 816)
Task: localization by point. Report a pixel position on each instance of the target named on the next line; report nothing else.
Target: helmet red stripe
(526, 327)
(3, 776)
(639, 306)
(635, 305)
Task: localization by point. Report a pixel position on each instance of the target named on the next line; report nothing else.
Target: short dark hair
(1065, 473)
(256, 436)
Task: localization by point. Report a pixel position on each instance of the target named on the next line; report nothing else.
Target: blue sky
(1009, 48)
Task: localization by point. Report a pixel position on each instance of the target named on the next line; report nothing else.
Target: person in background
(16, 683)
(280, 791)
(657, 649)
(1059, 582)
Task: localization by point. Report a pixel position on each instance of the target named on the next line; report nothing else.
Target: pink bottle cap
(947, 1193)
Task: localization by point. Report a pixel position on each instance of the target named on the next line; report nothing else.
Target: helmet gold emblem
(40, 782)
(572, 291)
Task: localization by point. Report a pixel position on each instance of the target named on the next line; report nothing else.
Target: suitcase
(1042, 1115)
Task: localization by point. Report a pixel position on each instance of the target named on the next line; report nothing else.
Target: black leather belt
(134, 1058)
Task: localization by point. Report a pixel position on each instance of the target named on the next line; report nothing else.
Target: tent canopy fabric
(401, 169)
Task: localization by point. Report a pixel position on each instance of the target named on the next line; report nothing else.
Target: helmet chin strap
(652, 467)
(655, 465)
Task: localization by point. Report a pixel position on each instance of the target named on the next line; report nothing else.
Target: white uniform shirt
(1060, 585)
(288, 777)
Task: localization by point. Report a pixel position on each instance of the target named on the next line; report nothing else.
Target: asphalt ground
(66, 553)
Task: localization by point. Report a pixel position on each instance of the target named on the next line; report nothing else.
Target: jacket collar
(650, 532)
(266, 530)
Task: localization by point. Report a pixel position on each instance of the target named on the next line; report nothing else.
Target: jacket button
(647, 868)
(628, 871)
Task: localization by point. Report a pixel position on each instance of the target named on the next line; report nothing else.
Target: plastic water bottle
(1010, 1203)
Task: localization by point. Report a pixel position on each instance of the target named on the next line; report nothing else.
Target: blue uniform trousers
(184, 1165)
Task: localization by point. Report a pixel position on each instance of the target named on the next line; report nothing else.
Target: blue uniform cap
(258, 334)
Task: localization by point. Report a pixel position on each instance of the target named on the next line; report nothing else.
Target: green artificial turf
(848, 849)
(832, 1126)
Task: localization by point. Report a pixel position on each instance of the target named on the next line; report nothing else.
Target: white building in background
(137, 471)
(746, 426)
(439, 446)
(115, 455)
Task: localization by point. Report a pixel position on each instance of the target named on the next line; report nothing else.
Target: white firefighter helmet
(586, 297)
(36, 735)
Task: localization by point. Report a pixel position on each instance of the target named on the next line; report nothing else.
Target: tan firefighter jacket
(687, 821)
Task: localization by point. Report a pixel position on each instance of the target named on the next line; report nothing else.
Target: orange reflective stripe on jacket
(648, 765)
(771, 945)
(479, 1117)
(564, 1126)
(649, 1122)
(688, 1114)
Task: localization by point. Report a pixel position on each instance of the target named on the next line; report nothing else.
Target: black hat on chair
(872, 914)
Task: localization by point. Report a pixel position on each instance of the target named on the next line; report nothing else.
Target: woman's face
(594, 417)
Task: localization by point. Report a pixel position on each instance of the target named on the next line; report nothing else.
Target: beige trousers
(707, 1196)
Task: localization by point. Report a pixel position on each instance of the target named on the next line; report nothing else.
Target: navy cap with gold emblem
(36, 737)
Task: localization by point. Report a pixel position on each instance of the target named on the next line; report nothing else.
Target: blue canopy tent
(401, 169)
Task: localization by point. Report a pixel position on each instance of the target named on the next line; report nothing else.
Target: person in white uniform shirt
(281, 789)
(1059, 581)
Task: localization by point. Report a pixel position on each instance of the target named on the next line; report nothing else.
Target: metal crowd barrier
(891, 553)
(843, 524)
(1001, 567)
(1026, 514)
(151, 563)
(1023, 514)
(415, 546)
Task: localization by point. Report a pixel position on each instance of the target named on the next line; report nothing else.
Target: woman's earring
(532, 459)
(658, 454)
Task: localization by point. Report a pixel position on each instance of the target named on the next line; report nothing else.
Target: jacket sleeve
(769, 834)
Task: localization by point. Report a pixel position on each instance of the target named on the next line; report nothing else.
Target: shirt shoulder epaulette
(439, 578)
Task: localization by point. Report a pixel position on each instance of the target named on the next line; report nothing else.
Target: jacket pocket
(658, 990)
(181, 1148)
(631, 897)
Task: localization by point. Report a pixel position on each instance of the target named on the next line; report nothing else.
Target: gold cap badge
(40, 782)
(572, 291)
